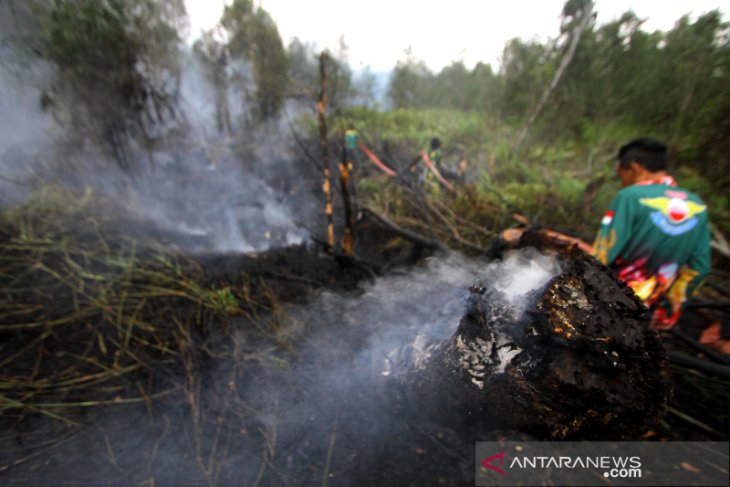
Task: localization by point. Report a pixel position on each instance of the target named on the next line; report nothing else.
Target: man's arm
(688, 282)
(615, 230)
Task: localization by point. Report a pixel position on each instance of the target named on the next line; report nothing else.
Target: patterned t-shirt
(656, 236)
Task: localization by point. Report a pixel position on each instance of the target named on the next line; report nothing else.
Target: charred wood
(580, 362)
(326, 172)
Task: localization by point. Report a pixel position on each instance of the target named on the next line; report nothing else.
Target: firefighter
(351, 144)
(435, 154)
(655, 234)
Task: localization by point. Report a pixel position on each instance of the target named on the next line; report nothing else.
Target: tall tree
(254, 37)
(117, 66)
(577, 15)
(409, 84)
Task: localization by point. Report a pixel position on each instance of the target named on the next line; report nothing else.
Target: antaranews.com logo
(595, 463)
(613, 466)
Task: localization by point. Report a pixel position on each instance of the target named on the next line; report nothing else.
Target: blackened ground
(381, 435)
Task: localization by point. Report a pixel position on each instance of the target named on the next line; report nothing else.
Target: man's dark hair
(435, 143)
(650, 153)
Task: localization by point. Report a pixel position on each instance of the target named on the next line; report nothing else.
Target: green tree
(410, 84)
(526, 70)
(254, 37)
(117, 67)
(303, 69)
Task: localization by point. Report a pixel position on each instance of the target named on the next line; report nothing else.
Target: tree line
(674, 84)
(125, 56)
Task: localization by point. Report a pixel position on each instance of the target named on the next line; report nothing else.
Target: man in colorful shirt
(655, 234)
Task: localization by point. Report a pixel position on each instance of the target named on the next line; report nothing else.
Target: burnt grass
(197, 422)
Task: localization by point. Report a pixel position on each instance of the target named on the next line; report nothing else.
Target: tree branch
(407, 234)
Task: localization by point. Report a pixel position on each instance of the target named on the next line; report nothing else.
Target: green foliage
(220, 300)
(255, 37)
(410, 85)
(672, 83)
(116, 61)
(416, 127)
(413, 85)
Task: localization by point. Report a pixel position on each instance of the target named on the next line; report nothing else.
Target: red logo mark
(488, 463)
(677, 209)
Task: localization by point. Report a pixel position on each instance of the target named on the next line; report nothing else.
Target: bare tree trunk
(326, 173)
(587, 14)
(348, 239)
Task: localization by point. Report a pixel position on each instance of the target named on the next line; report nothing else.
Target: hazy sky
(378, 32)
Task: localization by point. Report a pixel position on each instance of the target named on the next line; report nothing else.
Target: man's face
(627, 175)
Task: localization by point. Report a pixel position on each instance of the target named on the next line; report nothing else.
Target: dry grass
(89, 317)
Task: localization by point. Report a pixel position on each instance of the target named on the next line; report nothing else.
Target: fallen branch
(455, 232)
(691, 342)
(407, 234)
(703, 366)
(464, 221)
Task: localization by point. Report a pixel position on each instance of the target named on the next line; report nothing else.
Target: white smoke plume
(285, 413)
(236, 192)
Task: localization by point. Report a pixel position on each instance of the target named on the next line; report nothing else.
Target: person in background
(435, 152)
(655, 234)
(436, 155)
(351, 144)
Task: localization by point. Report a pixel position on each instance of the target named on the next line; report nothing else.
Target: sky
(379, 32)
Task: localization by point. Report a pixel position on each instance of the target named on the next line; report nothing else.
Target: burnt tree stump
(579, 363)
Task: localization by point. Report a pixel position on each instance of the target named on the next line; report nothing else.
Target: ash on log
(579, 362)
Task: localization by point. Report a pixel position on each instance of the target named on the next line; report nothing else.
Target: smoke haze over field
(262, 412)
(24, 135)
(216, 192)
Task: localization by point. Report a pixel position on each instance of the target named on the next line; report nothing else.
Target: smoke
(330, 401)
(25, 133)
(353, 354)
(521, 272)
(239, 189)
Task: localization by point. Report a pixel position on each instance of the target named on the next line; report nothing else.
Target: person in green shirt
(655, 234)
(351, 143)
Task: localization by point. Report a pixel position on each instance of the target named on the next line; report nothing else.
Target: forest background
(620, 82)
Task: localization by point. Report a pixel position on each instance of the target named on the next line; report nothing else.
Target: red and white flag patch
(607, 218)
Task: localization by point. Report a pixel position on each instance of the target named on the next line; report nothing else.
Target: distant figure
(436, 155)
(435, 152)
(655, 234)
(351, 146)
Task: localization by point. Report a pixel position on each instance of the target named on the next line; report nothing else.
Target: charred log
(578, 362)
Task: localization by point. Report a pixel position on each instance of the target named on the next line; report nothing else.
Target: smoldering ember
(240, 263)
